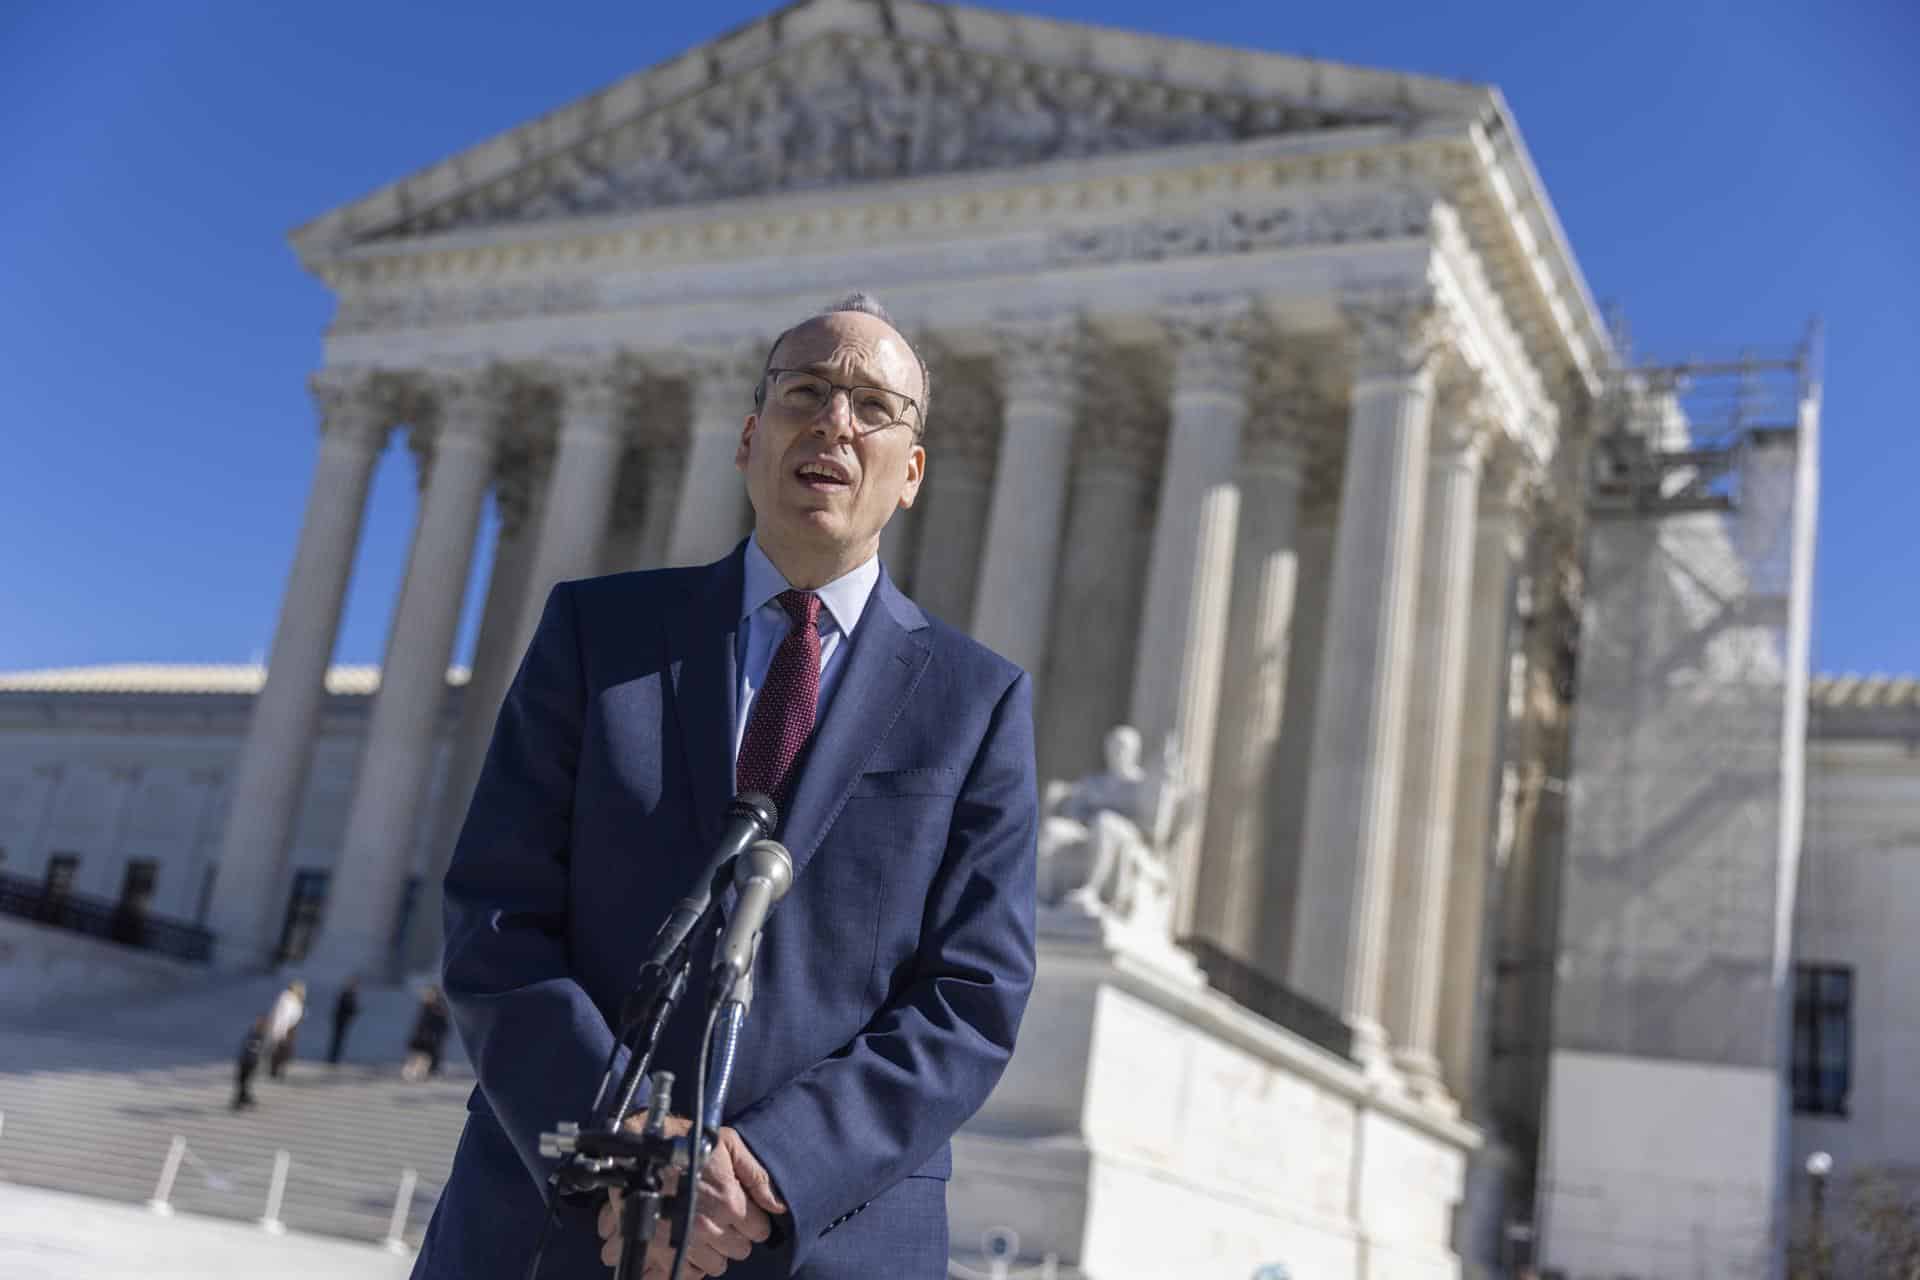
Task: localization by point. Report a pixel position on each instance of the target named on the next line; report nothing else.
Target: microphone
(764, 875)
(750, 817)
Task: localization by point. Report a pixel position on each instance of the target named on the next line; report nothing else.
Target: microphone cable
(696, 1151)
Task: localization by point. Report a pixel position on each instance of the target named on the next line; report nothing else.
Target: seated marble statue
(1105, 839)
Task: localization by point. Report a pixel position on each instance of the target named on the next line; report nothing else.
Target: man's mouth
(821, 474)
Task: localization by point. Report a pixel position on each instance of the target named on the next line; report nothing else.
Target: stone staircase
(92, 1098)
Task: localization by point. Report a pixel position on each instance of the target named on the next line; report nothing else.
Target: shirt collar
(845, 598)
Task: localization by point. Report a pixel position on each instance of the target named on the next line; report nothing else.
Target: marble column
(1109, 523)
(1040, 380)
(518, 489)
(390, 785)
(1285, 809)
(712, 513)
(1359, 739)
(1183, 623)
(586, 466)
(1230, 906)
(272, 773)
(1498, 535)
(1442, 630)
(954, 493)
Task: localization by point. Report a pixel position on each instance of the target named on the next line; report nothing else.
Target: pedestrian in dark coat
(346, 1007)
(429, 1036)
(248, 1062)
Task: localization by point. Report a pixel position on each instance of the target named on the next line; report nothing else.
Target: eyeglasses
(805, 395)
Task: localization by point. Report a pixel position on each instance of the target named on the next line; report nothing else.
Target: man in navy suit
(892, 977)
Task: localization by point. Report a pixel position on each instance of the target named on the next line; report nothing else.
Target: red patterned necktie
(784, 709)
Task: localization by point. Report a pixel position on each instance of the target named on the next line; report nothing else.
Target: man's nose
(836, 420)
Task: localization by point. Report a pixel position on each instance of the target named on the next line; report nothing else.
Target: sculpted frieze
(845, 110)
(421, 307)
(1300, 219)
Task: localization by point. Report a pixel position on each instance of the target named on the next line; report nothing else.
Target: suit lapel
(705, 686)
(886, 660)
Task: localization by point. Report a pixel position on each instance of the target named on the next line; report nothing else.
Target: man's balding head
(864, 304)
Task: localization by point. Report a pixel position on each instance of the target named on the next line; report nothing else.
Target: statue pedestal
(1149, 1127)
(1143, 948)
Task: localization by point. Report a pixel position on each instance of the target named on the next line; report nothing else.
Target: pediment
(838, 93)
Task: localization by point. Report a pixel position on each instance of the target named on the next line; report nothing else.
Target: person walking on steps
(247, 1063)
(346, 1007)
(288, 1009)
(429, 1037)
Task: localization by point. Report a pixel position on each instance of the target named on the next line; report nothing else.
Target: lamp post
(1819, 1167)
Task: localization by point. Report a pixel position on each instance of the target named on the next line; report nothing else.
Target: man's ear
(746, 441)
(916, 472)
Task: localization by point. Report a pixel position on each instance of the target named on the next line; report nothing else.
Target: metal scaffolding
(1671, 436)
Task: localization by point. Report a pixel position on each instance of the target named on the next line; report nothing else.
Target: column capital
(593, 387)
(1291, 419)
(1466, 419)
(1213, 339)
(1041, 355)
(356, 405)
(720, 375)
(968, 427)
(1513, 482)
(1396, 329)
(471, 400)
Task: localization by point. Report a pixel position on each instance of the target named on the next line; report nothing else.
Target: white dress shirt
(764, 624)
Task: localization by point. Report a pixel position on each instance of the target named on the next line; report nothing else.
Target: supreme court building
(1265, 394)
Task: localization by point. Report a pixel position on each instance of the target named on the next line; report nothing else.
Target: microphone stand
(604, 1154)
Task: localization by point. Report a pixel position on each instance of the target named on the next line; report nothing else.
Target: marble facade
(1250, 374)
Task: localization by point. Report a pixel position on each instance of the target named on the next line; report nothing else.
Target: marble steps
(96, 1116)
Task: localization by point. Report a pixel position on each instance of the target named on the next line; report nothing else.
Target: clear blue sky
(1723, 170)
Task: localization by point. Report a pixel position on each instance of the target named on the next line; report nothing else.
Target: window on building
(57, 886)
(305, 904)
(136, 896)
(61, 868)
(1822, 1039)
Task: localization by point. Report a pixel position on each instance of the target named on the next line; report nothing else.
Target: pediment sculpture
(837, 112)
(1106, 840)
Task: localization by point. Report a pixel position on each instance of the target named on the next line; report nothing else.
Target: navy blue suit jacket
(891, 979)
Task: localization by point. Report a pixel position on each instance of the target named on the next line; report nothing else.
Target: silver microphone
(763, 873)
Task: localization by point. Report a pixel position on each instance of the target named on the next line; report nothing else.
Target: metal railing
(103, 918)
(1253, 990)
(161, 1202)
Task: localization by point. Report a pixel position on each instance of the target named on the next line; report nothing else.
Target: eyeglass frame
(760, 399)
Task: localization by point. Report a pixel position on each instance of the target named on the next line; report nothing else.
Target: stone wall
(116, 777)
(1149, 1127)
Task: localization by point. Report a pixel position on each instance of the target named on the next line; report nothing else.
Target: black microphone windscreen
(758, 806)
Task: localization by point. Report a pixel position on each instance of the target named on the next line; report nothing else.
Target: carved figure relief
(845, 110)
